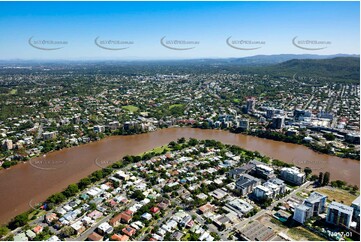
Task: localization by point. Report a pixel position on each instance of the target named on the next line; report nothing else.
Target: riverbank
(24, 182)
(286, 139)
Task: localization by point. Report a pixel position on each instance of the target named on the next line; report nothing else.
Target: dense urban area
(188, 189)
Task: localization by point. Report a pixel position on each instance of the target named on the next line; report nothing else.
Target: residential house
(21, 237)
(38, 229)
(117, 237)
(147, 216)
(50, 217)
(154, 210)
(95, 237)
(129, 231)
(78, 227)
(124, 217)
(30, 234)
(207, 208)
(105, 228)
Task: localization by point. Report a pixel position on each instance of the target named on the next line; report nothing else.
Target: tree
(326, 179)
(265, 203)
(19, 221)
(181, 140)
(155, 228)
(71, 190)
(56, 198)
(194, 237)
(84, 183)
(354, 189)
(308, 171)
(314, 178)
(223, 227)
(7, 164)
(215, 236)
(67, 231)
(4, 231)
(167, 237)
(338, 183)
(320, 178)
(329, 136)
(171, 144)
(193, 142)
(92, 206)
(137, 194)
(128, 158)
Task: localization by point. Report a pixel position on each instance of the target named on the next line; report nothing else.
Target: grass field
(158, 150)
(130, 108)
(279, 223)
(300, 233)
(338, 195)
(13, 91)
(175, 105)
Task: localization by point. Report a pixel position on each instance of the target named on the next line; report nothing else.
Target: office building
(301, 115)
(278, 122)
(270, 112)
(251, 103)
(243, 124)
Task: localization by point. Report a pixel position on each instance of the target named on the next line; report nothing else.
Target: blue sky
(145, 23)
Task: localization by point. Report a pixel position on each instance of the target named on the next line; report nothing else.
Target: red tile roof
(95, 237)
(129, 231)
(154, 209)
(117, 237)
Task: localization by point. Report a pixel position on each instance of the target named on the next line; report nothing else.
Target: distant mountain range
(262, 60)
(250, 60)
(340, 67)
(274, 59)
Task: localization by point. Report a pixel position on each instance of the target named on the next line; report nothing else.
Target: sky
(27, 29)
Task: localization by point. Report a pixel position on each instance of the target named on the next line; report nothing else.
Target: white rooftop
(341, 208)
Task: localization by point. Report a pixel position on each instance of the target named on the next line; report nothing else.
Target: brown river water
(34, 181)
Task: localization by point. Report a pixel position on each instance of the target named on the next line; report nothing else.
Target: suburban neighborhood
(196, 190)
